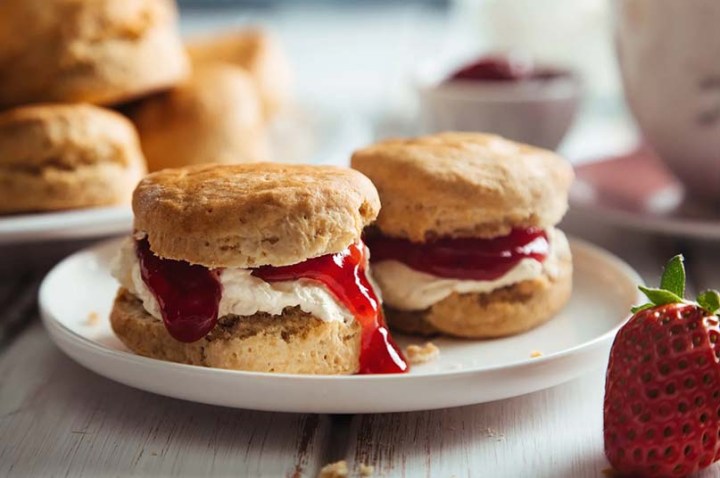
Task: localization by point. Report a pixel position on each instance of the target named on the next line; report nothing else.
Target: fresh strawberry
(662, 389)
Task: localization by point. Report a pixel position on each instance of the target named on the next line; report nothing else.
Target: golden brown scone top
(99, 51)
(464, 185)
(248, 215)
(66, 137)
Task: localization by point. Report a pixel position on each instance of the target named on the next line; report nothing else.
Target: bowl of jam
(508, 95)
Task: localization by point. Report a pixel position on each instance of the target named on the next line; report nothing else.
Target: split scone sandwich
(63, 156)
(255, 267)
(465, 244)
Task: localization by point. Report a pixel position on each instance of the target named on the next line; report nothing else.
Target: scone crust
(294, 342)
(248, 215)
(66, 156)
(215, 116)
(255, 51)
(507, 311)
(88, 51)
(464, 185)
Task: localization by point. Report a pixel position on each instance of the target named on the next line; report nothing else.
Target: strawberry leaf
(673, 277)
(638, 308)
(709, 300)
(660, 296)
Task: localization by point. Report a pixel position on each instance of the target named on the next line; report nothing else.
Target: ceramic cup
(669, 55)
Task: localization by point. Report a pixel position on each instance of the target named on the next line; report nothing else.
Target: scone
(100, 51)
(465, 244)
(255, 51)
(253, 267)
(213, 117)
(66, 156)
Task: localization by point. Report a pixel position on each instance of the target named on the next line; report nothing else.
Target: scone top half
(250, 215)
(464, 185)
(465, 243)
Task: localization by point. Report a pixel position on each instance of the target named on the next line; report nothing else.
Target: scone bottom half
(319, 315)
(465, 244)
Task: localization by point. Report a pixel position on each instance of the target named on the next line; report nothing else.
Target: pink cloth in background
(629, 181)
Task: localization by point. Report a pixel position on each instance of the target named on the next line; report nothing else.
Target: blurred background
(363, 57)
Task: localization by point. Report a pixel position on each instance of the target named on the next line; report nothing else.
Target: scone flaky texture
(215, 116)
(464, 185)
(100, 51)
(506, 311)
(294, 342)
(66, 156)
(248, 215)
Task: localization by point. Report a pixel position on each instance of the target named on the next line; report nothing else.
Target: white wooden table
(58, 419)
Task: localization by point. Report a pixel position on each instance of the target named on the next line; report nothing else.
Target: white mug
(669, 55)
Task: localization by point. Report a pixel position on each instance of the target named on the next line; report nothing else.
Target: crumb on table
(366, 470)
(417, 354)
(93, 318)
(493, 433)
(535, 354)
(339, 469)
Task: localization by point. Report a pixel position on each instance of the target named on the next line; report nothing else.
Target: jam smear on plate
(189, 297)
(188, 294)
(344, 275)
(463, 258)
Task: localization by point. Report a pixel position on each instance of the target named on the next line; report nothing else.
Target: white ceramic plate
(466, 372)
(78, 224)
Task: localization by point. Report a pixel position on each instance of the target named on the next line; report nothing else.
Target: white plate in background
(467, 372)
(308, 135)
(75, 224)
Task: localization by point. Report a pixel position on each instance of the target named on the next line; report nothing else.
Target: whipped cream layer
(242, 293)
(405, 288)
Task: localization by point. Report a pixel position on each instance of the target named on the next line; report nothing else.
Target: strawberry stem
(672, 289)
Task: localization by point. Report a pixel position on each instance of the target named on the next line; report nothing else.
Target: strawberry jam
(189, 297)
(344, 275)
(502, 68)
(464, 258)
(188, 294)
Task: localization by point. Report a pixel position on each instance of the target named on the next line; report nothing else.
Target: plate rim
(66, 224)
(669, 226)
(52, 324)
(691, 228)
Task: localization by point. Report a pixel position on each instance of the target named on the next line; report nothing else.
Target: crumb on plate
(417, 354)
(535, 354)
(93, 318)
(339, 469)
